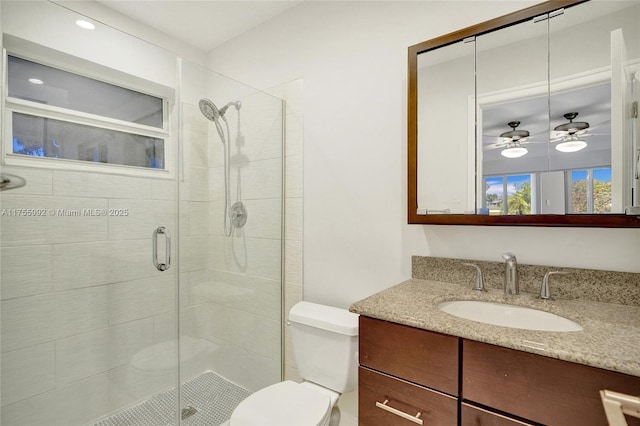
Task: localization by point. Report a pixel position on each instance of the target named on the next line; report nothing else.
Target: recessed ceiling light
(85, 24)
(514, 152)
(571, 146)
(35, 81)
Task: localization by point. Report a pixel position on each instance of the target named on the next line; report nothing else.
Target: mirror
(528, 119)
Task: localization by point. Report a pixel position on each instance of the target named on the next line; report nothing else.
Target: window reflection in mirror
(513, 112)
(594, 53)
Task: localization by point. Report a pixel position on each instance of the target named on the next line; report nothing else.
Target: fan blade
(601, 124)
(489, 147)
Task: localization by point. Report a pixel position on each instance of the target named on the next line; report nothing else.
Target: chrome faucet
(545, 292)
(479, 279)
(510, 274)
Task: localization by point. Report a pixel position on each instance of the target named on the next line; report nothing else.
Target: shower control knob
(238, 214)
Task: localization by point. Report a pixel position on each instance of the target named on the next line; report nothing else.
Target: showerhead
(212, 113)
(209, 109)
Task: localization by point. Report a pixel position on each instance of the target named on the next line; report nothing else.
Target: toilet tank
(325, 345)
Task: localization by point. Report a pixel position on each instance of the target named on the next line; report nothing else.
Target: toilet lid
(283, 404)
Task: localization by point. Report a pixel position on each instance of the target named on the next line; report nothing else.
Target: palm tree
(520, 201)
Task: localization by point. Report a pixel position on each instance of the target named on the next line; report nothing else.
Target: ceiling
(205, 24)
(593, 104)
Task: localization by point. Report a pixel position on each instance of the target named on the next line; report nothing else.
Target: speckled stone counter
(586, 284)
(610, 338)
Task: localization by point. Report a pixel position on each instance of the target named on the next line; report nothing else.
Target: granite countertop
(610, 338)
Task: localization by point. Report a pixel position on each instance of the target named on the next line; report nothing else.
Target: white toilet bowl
(286, 404)
(325, 346)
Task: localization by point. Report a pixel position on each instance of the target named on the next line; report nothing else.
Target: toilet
(325, 346)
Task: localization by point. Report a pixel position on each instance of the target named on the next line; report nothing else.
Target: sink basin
(508, 315)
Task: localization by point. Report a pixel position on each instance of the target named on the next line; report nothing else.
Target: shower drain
(187, 412)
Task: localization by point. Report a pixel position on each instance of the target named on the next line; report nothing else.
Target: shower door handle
(162, 266)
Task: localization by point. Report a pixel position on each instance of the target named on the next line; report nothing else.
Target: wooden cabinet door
(543, 389)
(405, 404)
(419, 356)
(475, 416)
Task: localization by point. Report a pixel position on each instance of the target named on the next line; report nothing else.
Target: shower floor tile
(213, 397)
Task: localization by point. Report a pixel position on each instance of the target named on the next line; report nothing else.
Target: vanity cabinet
(405, 371)
(539, 388)
(471, 415)
(454, 381)
(388, 400)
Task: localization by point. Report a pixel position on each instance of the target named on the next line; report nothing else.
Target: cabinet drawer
(535, 387)
(435, 408)
(475, 416)
(420, 356)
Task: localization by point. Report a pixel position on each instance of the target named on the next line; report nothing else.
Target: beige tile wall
(292, 93)
(239, 293)
(79, 294)
(81, 299)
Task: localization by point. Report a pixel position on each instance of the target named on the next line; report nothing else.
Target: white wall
(352, 56)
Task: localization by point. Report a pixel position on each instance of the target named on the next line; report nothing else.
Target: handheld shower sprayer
(237, 214)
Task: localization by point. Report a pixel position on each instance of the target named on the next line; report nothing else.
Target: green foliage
(520, 201)
(601, 197)
(492, 197)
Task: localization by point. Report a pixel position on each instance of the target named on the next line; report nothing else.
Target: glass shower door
(89, 281)
(231, 209)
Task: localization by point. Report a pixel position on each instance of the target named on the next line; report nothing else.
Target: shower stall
(140, 232)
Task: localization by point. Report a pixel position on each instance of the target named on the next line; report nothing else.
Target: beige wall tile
(216, 183)
(252, 256)
(73, 405)
(38, 319)
(128, 386)
(26, 270)
(39, 182)
(196, 149)
(260, 179)
(294, 176)
(141, 298)
(90, 264)
(293, 262)
(198, 218)
(91, 353)
(194, 253)
(293, 229)
(55, 227)
(163, 189)
(264, 218)
(99, 185)
(27, 372)
(134, 219)
(196, 184)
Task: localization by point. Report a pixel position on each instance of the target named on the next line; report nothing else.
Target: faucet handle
(479, 278)
(508, 256)
(545, 292)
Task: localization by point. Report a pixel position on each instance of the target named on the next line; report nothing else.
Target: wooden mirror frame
(566, 220)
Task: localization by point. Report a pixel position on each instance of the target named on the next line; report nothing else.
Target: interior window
(56, 114)
(589, 190)
(508, 194)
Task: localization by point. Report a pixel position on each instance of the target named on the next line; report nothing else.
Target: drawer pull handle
(384, 406)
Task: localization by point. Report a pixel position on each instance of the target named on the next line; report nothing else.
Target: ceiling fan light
(571, 146)
(514, 152)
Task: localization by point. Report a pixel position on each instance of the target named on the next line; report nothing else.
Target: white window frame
(96, 72)
(505, 190)
(568, 182)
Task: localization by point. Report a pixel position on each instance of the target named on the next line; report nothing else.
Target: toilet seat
(284, 404)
